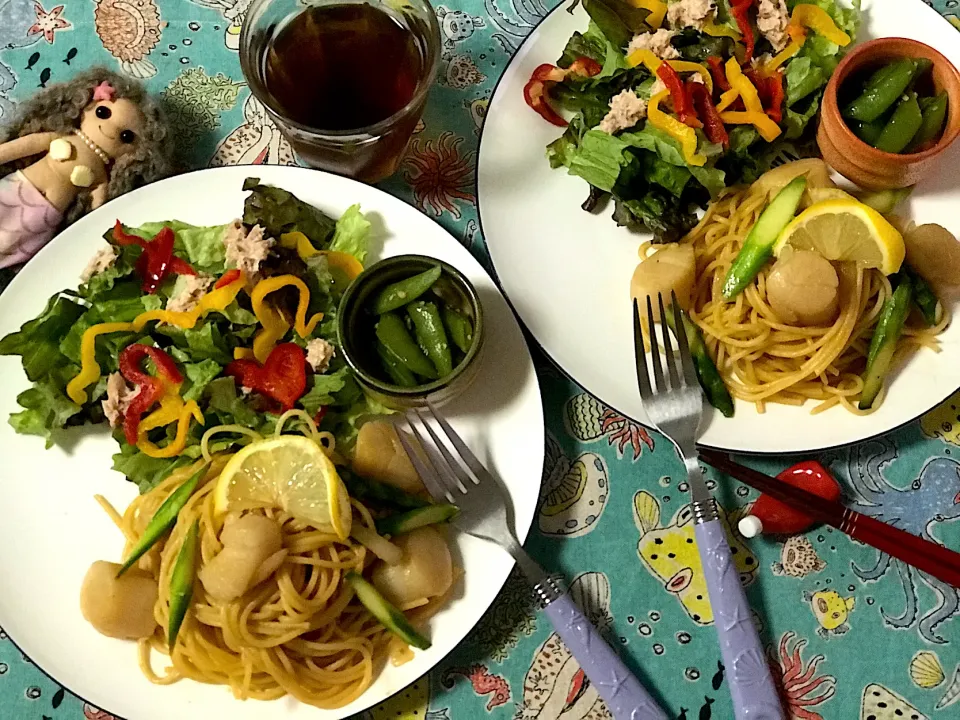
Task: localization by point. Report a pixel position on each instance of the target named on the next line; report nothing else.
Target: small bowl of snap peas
(411, 328)
(890, 110)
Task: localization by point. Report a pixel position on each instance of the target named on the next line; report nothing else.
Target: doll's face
(114, 125)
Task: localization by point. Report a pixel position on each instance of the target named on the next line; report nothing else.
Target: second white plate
(567, 272)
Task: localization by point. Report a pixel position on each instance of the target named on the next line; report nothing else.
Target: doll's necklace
(97, 150)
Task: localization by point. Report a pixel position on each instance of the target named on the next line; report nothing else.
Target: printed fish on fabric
(849, 632)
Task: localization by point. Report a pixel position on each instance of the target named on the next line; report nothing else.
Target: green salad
(176, 329)
(671, 102)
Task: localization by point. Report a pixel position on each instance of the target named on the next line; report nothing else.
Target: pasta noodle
(763, 359)
(302, 634)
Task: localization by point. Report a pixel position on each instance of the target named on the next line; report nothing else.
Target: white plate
(51, 529)
(567, 272)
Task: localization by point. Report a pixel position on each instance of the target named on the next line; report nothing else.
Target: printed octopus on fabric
(257, 141)
(798, 682)
(129, 32)
(669, 553)
(573, 494)
(931, 499)
(483, 683)
(587, 420)
(555, 686)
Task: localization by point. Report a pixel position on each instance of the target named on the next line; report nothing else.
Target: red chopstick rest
(774, 517)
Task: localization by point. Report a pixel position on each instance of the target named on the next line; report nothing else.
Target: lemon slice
(292, 473)
(846, 229)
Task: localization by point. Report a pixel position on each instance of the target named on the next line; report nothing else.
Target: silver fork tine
(671, 361)
(431, 479)
(643, 375)
(476, 467)
(449, 474)
(655, 350)
(455, 467)
(686, 358)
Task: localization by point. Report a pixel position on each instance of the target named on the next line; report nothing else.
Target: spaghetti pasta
(764, 359)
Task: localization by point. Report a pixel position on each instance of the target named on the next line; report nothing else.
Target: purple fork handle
(754, 695)
(623, 694)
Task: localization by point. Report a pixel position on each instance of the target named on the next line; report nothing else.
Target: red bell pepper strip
(712, 124)
(228, 277)
(682, 104)
(719, 76)
(740, 10)
(282, 378)
(157, 259)
(535, 91)
(151, 388)
(771, 92)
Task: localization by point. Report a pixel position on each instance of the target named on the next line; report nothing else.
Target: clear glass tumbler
(369, 153)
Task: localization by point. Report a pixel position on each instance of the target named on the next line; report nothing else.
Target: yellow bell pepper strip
(644, 57)
(741, 83)
(345, 262)
(217, 299)
(686, 136)
(714, 30)
(274, 324)
(818, 20)
(727, 99)
(172, 409)
(685, 66)
(652, 63)
(240, 353)
(798, 36)
(89, 367)
(767, 128)
(657, 8)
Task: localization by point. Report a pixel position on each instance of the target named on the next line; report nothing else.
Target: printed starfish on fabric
(48, 22)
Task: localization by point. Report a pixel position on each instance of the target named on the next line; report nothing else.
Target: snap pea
(398, 294)
(404, 522)
(708, 375)
(902, 126)
(164, 518)
(393, 334)
(459, 328)
(869, 132)
(882, 90)
(923, 296)
(399, 373)
(388, 615)
(181, 583)
(934, 111)
(428, 327)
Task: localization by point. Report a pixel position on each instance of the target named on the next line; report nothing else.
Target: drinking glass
(369, 153)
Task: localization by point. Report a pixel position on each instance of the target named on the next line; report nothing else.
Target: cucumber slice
(758, 247)
(391, 618)
(405, 522)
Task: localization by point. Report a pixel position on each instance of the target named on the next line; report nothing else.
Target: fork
(459, 478)
(674, 405)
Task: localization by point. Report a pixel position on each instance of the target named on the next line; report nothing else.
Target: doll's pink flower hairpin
(103, 91)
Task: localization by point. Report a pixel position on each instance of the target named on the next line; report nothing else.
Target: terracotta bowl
(856, 160)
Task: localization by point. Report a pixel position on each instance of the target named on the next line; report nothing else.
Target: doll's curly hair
(59, 108)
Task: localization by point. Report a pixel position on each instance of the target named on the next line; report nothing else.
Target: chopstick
(931, 558)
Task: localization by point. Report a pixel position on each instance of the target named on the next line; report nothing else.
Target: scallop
(803, 288)
(926, 670)
(934, 252)
(672, 268)
(119, 607)
(425, 571)
(815, 170)
(380, 456)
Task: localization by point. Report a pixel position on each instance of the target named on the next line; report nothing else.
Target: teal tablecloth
(622, 477)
